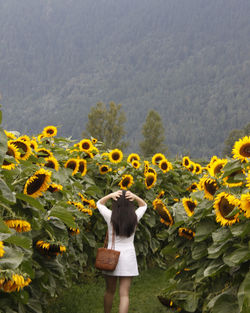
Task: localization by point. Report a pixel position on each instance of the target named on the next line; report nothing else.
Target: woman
(124, 219)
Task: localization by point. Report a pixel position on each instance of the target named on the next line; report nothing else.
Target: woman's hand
(115, 195)
(130, 196)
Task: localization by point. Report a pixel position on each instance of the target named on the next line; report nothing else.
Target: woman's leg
(109, 293)
(124, 286)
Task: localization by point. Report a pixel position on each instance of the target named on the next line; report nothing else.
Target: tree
(153, 132)
(233, 136)
(107, 125)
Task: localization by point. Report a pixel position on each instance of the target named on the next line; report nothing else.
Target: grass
(85, 298)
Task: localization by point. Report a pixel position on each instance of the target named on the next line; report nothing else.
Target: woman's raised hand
(129, 195)
(115, 195)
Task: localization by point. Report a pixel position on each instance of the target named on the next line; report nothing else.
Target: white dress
(127, 264)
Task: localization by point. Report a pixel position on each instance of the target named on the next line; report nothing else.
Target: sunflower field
(196, 225)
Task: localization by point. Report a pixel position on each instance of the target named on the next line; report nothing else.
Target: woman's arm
(114, 195)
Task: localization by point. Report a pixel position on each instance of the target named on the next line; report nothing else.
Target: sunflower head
(44, 153)
(165, 165)
(85, 145)
(33, 144)
(9, 135)
(115, 156)
(104, 169)
(52, 162)
(94, 140)
(157, 158)
(162, 210)
(133, 157)
(49, 131)
(73, 165)
(189, 205)
(193, 187)
(19, 225)
(216, 167)
(126, 182)
(150, 180)
(82, 166)
(136, 164)
(38, 183)
(224, 205)
(241, 149)
(55, 187)
(23, 148)
(186, 161)
(245, 204)
(197, 168)
(185, 232)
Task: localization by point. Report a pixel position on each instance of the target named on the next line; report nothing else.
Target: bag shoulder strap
(113, 239)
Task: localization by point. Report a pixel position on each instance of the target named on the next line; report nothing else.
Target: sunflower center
(50, 131)
(186, 162)
(187, 233)
(245, 150)
(125, 182)
(211, 187)
(36, 184)
(71, 164)
(81, 166)
(191, 205)
(10, 152)
(218, 168)
(50, 164)
(150, 180)
(226, 208)
(115, 156)
(104, 168)
(85, 146)
(158, 159)
(164, 166)
(162, 212)
(22, 146)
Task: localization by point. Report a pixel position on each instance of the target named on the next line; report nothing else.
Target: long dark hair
(123, 218)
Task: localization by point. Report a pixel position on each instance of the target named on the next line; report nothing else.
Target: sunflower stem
(50, 235)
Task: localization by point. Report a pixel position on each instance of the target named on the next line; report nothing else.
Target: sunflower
(146, 167)
(85, 145)
(15, 283)
(186, 161)
(209, 185)
(191, 167)
(104, 169)
(44, 153)
(150, 180)
(80, 207)
(38, 183)
(10, 135)
(24, 138)
(126, 182)
(136, 164)
(91, 203)
(193, 187)
(73, 165)
(133, 157)
(19, 225)
(88, 154)
(1, 249)
(189, 205)
(216, 167)
(33, 144)
(156, 158)
(245, 204)
(49, 131)
(94, 140)
(197, 168)
(152, 171)
(248, 180)
(185, 232)
(52, 162)
(74, 231)
(224, 204)
(115, 156)
(50, 249)
(24, 147)
(241, 149)
(160, 194)
(55, 187)
(165, 166)
(82, 166)
(12, 151)
(162, 210)
(105, 155)
(232, 175)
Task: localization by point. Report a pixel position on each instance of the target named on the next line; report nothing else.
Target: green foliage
(153, 133)
(107, 125)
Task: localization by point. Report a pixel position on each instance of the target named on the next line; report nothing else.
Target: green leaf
(216, 249)
(244, 294)
(226, 303)
(238, 256)
(20, 241)
(3, 145)
(64, 215)
(6, 192)
(238, 230)
(231, 167)
(4, 228)
(11, 259)
(199, 250)
(35, 203)
(214, 268)
(204, 230)
(221, 234)
(35, 305)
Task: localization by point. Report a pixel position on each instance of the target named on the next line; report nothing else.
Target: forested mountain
(189, 60)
